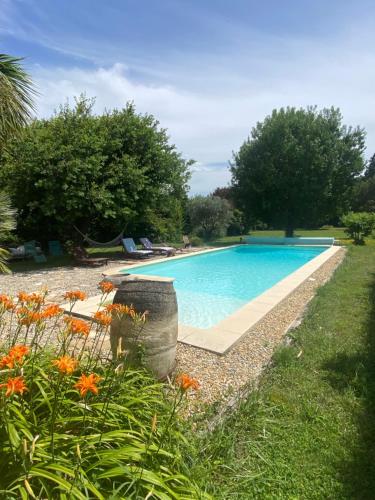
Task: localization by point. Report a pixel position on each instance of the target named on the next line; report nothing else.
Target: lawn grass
(308, 431)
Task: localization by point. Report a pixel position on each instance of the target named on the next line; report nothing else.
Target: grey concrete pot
(158, 336)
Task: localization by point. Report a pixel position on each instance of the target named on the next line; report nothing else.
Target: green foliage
(100, 173)
(16, 91)
(209, 216)
(195, 241)
(359, 225)
(364, 192)
(298, 168)
(7, 224)
(370, 168)
(364, 195)
(119, 439)
(224, 192)
(237, 225)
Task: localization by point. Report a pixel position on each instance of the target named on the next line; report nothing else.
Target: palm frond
(7, 223)
(4, 254)
(16, 96)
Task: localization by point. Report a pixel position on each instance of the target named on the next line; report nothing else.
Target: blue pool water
(211, 286)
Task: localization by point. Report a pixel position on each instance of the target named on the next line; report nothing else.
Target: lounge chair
(82, 257)
(164, 250)
(17, 253)
(33, 249)
(131, 249)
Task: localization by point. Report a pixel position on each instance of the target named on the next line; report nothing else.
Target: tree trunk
(289, 232)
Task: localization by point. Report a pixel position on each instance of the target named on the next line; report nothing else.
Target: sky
(208, 70)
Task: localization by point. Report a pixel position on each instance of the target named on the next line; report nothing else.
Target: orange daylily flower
(65, 364)
(19, 351)
(15, 355)
(27, 317)
(6, 303)
(120, 309)
(14, 385)
(185, 382)
(4, 298)
(87, 383)
(30, 298)
(77, 326)
(7, 362)
(52, 310)
(75, 295)
(106, 286)
(103, 318)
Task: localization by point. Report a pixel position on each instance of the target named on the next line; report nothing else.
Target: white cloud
(209, 107)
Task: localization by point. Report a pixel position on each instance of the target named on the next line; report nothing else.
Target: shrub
(359, 225)
(209, 216)
(75, 425)
(196, 241)
(237, 224)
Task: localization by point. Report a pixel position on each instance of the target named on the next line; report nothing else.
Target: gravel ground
(220, 377)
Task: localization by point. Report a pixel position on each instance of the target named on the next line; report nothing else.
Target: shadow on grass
(357, 373)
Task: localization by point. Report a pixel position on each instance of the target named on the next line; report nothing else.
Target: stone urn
(157, 337)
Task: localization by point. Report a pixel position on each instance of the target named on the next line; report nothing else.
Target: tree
(209, 215)
(364, 195)
(224, 192)
(99, 173)
(370, 168)
(364, 191)
(16, 97)
(298, 168)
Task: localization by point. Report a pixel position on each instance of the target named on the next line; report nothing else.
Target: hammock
(93, 243)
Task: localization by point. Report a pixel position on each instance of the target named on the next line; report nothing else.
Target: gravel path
(220, 377)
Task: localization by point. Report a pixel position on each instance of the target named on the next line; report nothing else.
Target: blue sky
(207, 69)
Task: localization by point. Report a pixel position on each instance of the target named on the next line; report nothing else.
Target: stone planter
(158, 335)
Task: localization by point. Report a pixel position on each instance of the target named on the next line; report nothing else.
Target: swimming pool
(211, 286)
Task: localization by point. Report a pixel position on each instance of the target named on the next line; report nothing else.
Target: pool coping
(223, 336)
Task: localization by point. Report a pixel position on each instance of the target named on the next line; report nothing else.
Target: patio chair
(163, 250)
(132, 251)
(54, 248)
(33, 249)
(82, 257)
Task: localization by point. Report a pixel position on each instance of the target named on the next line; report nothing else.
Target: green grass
(308, 431)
